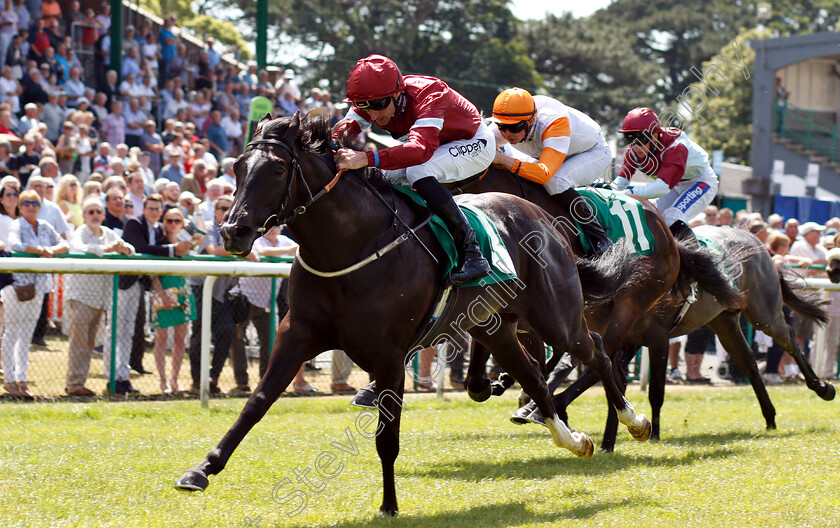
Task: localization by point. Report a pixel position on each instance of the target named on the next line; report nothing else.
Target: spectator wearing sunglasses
(29, 235)
(556, 146)
(684, 182)
(88, 297)
(447, 142)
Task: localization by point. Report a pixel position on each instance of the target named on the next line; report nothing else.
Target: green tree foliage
(727, 119)
(588, 68)
(675, 35)
(797, 17)
(471, 45)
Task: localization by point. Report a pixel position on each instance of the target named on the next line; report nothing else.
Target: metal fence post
(112, 382)
(206, 314)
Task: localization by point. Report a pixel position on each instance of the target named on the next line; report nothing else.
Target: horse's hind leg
(591, 353)
(728, 330)
(782, 334)
(512, 358)
(291, 349)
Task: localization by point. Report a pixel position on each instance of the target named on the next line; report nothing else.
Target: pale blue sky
(527, 9)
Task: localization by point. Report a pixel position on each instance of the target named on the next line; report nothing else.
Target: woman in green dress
(173, 306)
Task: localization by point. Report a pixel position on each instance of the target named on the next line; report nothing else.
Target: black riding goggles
(373, 104)
(513, 128)
(636, 138)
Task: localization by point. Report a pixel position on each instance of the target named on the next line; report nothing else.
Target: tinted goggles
(513, 128)
(636, 138)
(373, 104)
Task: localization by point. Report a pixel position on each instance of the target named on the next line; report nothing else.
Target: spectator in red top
(447, 141)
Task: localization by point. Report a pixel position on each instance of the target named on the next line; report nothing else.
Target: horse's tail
(807, 303)
(711, 272)
(608, 276)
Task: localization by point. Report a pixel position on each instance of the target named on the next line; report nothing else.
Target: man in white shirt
(807, 246)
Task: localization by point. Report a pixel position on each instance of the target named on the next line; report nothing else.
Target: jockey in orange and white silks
(544, 141)
(446, 141)
(683, 179)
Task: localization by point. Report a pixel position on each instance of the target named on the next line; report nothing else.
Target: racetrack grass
(461, 464)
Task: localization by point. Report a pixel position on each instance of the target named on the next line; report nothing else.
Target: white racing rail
(139, 266)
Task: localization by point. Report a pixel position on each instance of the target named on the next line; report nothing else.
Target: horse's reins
(301, 209)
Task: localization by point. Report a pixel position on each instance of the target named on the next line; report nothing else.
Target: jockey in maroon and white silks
(445, 140)
(683, 179)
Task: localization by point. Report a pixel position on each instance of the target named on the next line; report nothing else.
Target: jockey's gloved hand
(620, 183)
(343, 129)
(600, 185)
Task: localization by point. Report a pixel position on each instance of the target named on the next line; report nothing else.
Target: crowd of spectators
(803, 247)
(102, 153)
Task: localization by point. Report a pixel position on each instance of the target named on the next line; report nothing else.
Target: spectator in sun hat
(287, 84)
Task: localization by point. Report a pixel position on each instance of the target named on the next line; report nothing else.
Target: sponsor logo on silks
(470, 149)
(695, 192)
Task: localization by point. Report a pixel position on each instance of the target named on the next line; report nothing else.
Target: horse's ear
(261, 123)
(292, 131)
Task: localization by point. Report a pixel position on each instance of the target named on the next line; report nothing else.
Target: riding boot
(595, 233)
(682, 232)
(471, 263)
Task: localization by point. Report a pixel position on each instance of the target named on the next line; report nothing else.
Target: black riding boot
(681, 231)
(595, 233)
(471, 263)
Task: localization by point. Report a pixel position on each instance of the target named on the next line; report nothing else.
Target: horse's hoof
(588, 446)
(828, 392)
(482, 396)
(519, 416)
(771, 426)
(387, 511)
(642, 432)
(364, 398)
(606, 449)
(192, 480)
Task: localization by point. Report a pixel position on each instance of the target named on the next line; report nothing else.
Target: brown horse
(668, 262)
(376, 301)
(764, 290)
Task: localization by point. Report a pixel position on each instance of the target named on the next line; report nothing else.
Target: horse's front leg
(390, 379)
(477, 383)
(293, 345)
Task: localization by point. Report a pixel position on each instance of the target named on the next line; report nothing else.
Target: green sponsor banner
(259, 107)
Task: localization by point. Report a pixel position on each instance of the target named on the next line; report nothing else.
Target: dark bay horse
(764, 290)
(375, 301)
(668, 262)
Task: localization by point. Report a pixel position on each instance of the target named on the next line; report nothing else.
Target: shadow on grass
(493, 516)
(548, 467)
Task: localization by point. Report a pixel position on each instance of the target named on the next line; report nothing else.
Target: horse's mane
(314, 137)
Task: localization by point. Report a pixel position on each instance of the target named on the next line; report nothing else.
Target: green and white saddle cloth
(621, 216)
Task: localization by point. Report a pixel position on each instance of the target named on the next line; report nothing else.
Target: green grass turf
(461, 464)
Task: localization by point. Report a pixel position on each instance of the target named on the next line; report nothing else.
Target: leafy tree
(590, 69)
(727, 118)
(675, 35)
(471, 45)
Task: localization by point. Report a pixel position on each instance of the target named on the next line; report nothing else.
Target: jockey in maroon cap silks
(683, 179)
(447, 141)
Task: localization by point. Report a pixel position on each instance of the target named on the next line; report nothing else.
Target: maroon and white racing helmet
(640, 120)
(374, 77)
